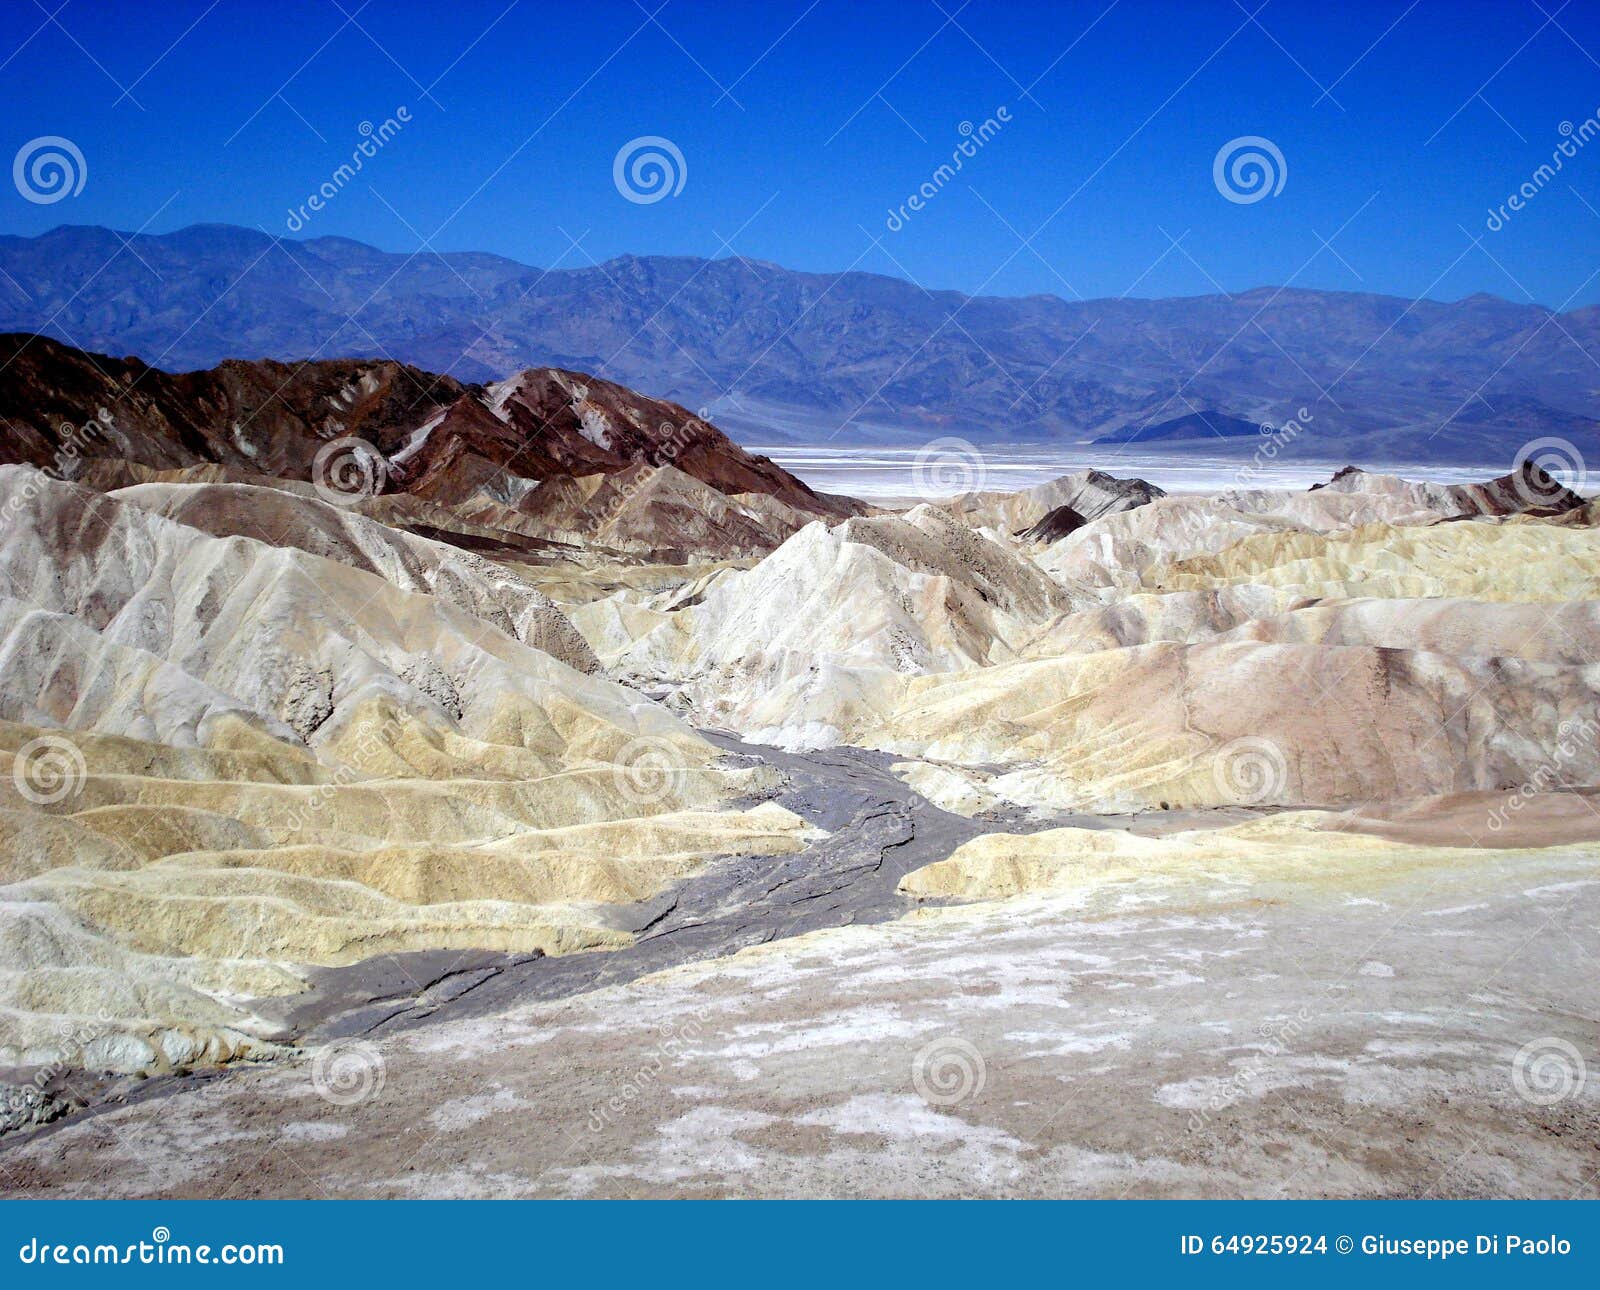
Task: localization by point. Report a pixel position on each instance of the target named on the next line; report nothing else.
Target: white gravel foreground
(1431, 1037)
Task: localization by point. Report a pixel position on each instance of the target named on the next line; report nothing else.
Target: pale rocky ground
(1221, 1030)
(1242, 843)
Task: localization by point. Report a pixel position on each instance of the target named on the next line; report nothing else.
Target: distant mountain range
(778, 355)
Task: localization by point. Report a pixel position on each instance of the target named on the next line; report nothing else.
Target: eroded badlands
(1082, 841)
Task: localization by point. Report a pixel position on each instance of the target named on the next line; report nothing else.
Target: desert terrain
(412, 787)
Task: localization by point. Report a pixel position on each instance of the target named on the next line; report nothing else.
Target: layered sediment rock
(823, 630)
(248, 729)
(244, 734)
(1088, 494)
(1371, 640)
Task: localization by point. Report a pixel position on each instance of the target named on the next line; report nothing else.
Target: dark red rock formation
(440, 440)
(266, 417)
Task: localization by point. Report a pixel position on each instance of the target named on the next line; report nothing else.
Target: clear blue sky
(802, 125)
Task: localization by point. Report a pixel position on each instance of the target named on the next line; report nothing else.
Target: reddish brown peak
(266, 417)
(1528, 487)
(1055, 525)
(443, 439)
(585, 425)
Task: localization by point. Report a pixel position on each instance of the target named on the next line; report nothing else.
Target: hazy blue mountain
(1193, 425)
(776, 354)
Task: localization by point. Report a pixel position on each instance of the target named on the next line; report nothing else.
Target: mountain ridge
(857, 354)
(338, 239)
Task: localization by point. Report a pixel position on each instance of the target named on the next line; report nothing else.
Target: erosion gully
(878, 829)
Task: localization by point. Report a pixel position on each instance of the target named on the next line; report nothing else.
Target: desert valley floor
(411, 788)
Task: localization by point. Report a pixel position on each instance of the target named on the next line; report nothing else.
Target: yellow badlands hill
(1109, 871)
(1516, 559)
(1307, 662)
(223, 761)
(1229, 724)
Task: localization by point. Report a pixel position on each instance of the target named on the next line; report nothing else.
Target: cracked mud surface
(782, 1027)
(880, 830)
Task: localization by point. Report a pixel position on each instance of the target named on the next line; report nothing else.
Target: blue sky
(1401, 125)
